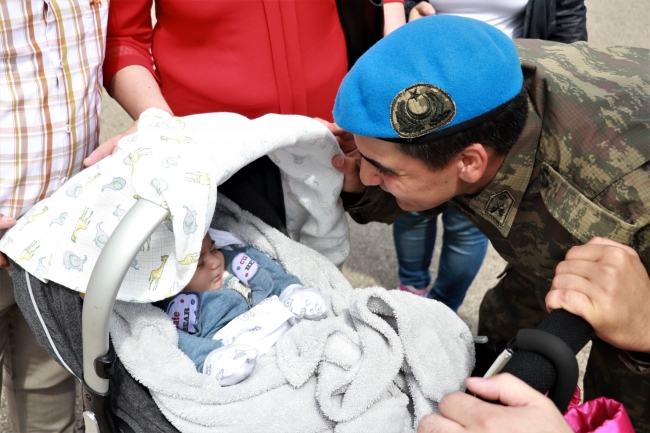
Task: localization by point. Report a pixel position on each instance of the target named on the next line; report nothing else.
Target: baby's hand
(230, 365)
(304, 303)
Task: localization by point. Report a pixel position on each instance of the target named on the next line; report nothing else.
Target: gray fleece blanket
(379, 362)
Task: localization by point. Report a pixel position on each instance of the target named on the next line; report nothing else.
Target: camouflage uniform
(579, 169)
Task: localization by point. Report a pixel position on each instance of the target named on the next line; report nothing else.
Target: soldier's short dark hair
(500, 133)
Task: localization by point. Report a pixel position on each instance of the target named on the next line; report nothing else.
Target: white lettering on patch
(184, 312)
(244, 268)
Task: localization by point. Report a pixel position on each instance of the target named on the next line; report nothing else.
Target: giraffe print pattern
(177, 164)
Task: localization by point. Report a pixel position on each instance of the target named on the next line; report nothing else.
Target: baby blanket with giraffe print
(178, 163)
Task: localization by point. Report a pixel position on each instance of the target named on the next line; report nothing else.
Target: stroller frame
(104, 284)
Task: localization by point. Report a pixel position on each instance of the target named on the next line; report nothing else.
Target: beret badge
(419, 109)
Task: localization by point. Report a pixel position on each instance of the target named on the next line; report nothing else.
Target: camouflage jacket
(579, 169)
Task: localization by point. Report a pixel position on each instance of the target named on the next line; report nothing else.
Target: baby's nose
(214, 263)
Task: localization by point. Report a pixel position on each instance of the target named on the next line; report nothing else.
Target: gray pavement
(372, 261)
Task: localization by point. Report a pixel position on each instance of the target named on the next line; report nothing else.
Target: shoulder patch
(420, 109)
(184, 312)
(498, 207)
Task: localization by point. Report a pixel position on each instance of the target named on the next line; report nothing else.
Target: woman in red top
(250, 57)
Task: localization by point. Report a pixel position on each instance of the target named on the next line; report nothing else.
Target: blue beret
(429, 78)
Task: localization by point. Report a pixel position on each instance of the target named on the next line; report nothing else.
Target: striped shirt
(50, 94)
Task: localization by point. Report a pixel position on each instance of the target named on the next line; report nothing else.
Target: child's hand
(230, 365)
(304, 303)
(422, 9)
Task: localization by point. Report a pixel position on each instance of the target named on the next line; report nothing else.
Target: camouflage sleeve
(380, 206)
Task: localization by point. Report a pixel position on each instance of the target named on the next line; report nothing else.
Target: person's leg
(414, 238)
(40, 393)
(463, 251)
(6, 302)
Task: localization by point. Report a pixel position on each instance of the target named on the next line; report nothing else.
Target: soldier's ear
(472, 163)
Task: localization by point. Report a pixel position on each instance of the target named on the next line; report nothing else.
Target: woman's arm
(129, 75)
(394, 15)
(136, 90)
(128, 37)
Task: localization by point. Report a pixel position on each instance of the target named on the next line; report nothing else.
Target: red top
(250, 57)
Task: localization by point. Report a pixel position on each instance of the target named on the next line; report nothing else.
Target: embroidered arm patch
(184, 312)
(244, 268)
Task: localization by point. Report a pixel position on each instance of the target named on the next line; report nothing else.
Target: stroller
(76, 331)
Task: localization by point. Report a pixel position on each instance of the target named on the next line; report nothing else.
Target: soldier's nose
(369, 175)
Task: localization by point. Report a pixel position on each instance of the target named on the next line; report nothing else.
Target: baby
(236, 306)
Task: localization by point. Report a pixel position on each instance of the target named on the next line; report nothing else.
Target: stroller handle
(105, 281)
(544, 372)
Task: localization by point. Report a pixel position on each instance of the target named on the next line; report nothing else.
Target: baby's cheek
(218, 284)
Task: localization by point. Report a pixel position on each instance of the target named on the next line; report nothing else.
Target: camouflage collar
(499, 201)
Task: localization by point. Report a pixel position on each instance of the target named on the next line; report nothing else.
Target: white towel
(379, 362)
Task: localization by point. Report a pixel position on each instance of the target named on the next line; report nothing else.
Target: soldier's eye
(383, 171)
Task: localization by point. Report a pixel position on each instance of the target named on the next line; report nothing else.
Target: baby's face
(209, 270)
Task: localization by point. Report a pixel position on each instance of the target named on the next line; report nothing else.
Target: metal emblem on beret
(498, 207)
(420, 109)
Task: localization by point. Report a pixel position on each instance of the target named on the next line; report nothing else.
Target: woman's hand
(108, 147)
(136, 90)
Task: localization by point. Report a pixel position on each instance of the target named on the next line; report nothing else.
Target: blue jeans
(463, 251)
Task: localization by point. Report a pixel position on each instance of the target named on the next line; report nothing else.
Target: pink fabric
(601, 415)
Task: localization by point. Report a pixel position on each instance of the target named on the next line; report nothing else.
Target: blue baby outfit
(218, 307)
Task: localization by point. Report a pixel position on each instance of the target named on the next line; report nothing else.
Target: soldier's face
(415, 186)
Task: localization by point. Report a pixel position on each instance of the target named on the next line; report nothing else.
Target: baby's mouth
(217, 281)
